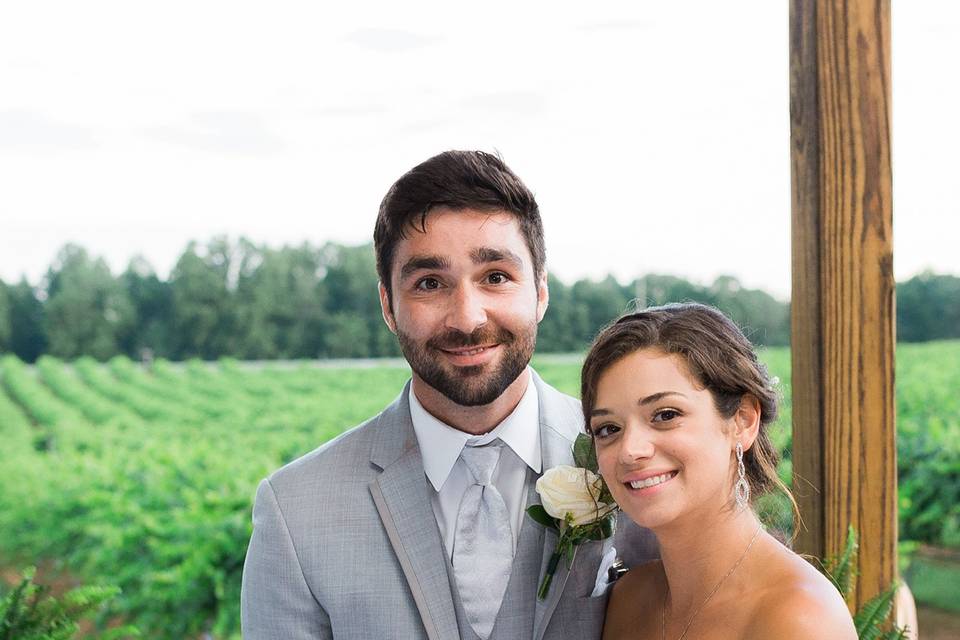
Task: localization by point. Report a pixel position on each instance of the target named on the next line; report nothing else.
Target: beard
(474, 385)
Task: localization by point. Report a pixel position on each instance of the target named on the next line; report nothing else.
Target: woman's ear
(747, 420)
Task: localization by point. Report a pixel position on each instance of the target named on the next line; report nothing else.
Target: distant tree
(249, 301)
(204, 315)
(565, 325)
(87, 311)
(928, 308)
(280, 303)
(152, 301)
(595, 305)
(654, 289)
(764, 319)
(28, 339)
(350, 283)
(6, 327)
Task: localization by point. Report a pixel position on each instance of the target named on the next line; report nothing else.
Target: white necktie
(483, 547)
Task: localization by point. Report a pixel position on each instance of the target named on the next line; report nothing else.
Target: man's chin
(473, 386)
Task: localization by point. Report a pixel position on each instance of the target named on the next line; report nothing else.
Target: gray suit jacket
(346, 545)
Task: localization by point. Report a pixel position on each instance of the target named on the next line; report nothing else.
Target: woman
(679, 406)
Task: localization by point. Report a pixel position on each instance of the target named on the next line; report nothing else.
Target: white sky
(655, 134)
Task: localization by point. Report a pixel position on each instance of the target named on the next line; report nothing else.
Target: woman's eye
(428, 284)
(665, 415)
(605, 431)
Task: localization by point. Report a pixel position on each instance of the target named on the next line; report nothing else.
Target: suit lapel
(560, 418)
(402, 498)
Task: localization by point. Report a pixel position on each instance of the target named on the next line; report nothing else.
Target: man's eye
(428, 284)
(665, 415)
(497, 278)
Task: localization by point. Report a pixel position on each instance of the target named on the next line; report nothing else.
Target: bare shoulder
(800, 603)
(640, 585)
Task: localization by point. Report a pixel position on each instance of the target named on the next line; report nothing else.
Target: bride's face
(664, 450)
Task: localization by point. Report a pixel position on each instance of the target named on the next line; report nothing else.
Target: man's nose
(467, 311)
(636, 444)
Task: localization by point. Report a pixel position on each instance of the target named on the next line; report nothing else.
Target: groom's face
(465, 303)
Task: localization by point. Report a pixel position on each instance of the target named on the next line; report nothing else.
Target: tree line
(248, 301)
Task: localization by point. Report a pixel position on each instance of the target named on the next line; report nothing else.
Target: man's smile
(470, 356)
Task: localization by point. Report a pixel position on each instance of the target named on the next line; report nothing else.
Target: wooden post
(844, 437)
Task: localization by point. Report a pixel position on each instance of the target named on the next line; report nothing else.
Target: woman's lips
(654, 480)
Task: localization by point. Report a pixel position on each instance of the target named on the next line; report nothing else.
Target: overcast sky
(655, 134)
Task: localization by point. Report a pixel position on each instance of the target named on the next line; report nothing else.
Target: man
(413, 524)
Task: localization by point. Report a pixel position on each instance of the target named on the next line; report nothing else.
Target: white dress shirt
(440, 446)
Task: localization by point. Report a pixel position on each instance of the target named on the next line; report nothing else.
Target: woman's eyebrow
(653, 397)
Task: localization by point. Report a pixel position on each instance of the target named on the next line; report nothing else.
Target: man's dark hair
(456, 180)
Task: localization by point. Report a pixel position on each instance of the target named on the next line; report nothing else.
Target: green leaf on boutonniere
(584, 455)
(603, 529)
(540, 516)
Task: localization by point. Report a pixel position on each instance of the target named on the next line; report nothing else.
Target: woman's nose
(636, 444)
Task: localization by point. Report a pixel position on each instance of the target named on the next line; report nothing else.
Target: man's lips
(472, 356)
(467, 351)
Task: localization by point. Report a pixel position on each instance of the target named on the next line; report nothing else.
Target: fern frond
(841, 570)
(874, 613)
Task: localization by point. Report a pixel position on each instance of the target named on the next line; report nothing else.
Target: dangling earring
(742, 489)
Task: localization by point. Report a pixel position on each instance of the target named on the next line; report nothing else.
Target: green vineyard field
(144, 477)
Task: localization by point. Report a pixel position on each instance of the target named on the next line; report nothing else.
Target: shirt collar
(520, 431)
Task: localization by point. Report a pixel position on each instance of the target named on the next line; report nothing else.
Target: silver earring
(742, 489)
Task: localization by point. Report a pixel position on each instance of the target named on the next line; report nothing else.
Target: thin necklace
(663, 609)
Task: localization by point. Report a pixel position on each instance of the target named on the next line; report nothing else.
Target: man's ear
(543, 296)
(385, 308)
(747, 420)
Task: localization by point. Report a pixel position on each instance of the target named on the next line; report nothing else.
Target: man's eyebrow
(483, 255)
(417, 263)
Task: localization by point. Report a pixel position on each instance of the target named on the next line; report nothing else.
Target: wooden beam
(844, 437)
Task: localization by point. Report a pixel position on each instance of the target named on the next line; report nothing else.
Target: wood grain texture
(805, 311)
(843, 286)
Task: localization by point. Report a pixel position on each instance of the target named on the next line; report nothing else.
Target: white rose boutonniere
(576, 504)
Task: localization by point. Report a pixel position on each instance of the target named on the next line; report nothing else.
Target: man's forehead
(441, 217)
(479, 235)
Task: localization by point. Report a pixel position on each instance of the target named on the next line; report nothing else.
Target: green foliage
(28, 613)
(928, 443)
(6, 328)
(935, 582)
(872, 620)
(143, 476)
(585, 454)
(540, 516)
(86, 309)
(239, 299)
(928, 308)
(157, 498)
(28, 339)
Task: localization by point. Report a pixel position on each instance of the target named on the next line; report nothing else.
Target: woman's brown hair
(717, 355)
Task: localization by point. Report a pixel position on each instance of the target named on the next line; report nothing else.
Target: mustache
(455, 339)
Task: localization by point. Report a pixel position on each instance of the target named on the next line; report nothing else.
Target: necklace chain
(663, 609)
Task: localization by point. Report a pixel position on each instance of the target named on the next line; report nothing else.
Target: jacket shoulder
(342, 457)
